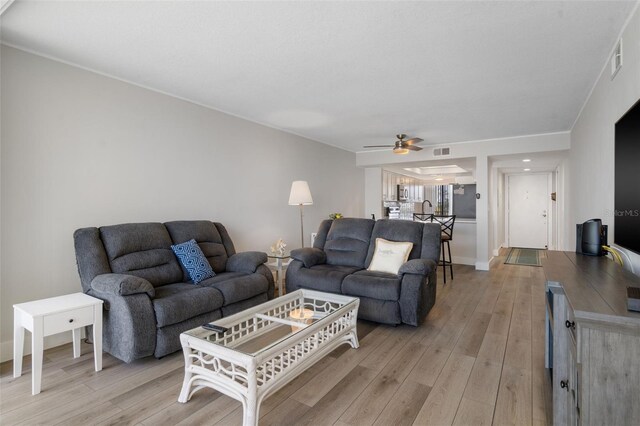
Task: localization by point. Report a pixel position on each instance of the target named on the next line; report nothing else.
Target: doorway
(528, 210)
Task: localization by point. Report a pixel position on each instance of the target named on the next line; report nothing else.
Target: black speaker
(590, 237)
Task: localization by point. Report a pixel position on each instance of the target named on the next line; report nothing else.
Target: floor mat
(524, 256)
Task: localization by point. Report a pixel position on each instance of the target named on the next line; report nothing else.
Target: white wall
(80, 149)
(591, 161)
(373, 192)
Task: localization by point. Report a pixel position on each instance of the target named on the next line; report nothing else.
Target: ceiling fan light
(399, 150)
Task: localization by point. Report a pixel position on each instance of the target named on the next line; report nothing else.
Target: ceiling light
(437, 170)
(526, 160)
(439, 179)
(527, 170)
(398, 150)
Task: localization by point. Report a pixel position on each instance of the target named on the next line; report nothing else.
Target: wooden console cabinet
(593, 341)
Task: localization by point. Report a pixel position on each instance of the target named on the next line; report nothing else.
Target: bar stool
(446, 236)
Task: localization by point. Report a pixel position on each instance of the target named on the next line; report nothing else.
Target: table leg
(251, 407)
(37, 343)
(186, 382)
(97, 336)
(279, 276)
(76, 342)
(18, 343)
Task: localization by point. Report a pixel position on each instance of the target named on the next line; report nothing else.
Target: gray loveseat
(148, 301)
(342, 251)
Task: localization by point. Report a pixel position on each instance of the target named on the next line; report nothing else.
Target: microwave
(403, 193)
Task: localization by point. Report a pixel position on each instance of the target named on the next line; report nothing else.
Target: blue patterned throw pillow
(193, 260)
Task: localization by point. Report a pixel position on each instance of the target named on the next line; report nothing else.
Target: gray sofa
(148, 299)
(342, 251)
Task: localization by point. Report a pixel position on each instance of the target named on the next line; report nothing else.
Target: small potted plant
(335, 216)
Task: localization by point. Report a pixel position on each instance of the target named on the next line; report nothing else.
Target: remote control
(217, 328)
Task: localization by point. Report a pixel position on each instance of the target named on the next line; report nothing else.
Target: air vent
(439, 152)
(616, 59)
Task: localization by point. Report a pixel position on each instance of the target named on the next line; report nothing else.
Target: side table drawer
(64, 321)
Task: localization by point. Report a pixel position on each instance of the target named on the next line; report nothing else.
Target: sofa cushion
(372, 284)
(208, 238)
(237, 286)
(389, 256)
(348, 241)
(397, 230)
(143, 250)
(324, 277)
(178, 302)
(193, 260)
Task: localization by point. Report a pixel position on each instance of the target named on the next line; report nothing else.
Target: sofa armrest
(247, 261)
(417, 290)
(122, 285)
(417, 267)
(129, 325)
(309, 256)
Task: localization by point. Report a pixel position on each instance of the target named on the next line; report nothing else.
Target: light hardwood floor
(478, 359)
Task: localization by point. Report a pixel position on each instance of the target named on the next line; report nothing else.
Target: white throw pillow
(389, 256)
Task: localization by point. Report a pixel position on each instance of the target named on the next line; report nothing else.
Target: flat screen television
(627, 180)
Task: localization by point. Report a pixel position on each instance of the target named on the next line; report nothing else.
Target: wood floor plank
(138, 413)
(473, 335)
(493, 347)
(174, 412)
(42, 403)
(513, 406)
(368, 406)
(483, 382)
(442, 403)
(313, 391)
(499, 324)
(405, 405)
(148, 389)
(329, 409)
(473, 413)
(379, 358)
(518, 352)
(91, 414)
(289, 412)
(428, 368)
(211, 413)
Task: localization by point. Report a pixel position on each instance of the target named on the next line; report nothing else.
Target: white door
(528, 210)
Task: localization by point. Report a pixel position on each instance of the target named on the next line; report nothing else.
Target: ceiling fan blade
(412, 147)
(378, 146)
(413, 141)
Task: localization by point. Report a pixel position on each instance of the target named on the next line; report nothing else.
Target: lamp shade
(300, 193)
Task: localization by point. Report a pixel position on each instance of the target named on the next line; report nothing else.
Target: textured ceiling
(345, 73)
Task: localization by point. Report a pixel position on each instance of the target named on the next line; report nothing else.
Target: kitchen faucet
(426, 201)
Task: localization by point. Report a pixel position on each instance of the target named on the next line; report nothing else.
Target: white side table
(279, 266)
(50, 316)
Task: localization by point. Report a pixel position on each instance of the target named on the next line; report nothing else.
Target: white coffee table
(51, 316)
(267, 346)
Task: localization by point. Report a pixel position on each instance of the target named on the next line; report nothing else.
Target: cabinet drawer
(68, 320)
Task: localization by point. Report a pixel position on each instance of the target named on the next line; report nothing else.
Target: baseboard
(483, 266)
(464, 260)
(6, 347)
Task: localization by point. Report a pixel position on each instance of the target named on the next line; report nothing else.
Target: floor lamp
(300, 195)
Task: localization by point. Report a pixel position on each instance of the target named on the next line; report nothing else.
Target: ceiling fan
(401, 146)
